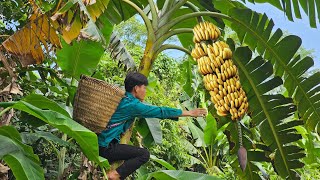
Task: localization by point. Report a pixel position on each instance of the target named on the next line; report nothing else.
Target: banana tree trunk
(144, 68)
(147, 59)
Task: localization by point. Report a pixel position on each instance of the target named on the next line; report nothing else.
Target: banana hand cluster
(205, 31)
(221, 76)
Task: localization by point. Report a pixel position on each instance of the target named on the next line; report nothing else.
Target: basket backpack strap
(115, 124)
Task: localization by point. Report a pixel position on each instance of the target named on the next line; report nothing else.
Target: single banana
(232, 104)
(236, 95)
(238, 85)
(226, 107)
(216, 90)
(224, 92)
(215, 49)
(236, 102)
(223, 76)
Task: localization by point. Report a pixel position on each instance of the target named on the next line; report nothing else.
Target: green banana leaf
(19, 157)
(79, 58)
(273, 114)
(177, 175)
(162, 162)
(46, 110)
(256, 31)
(120, 53)
(150, 130)
(310, 8)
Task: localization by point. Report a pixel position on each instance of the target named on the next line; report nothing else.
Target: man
(131, 106)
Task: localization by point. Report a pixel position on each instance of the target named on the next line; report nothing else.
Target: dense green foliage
(280, 133)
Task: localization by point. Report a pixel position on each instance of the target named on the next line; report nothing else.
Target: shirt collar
(129, 95)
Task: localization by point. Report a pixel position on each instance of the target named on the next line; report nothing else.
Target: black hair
(134, 79)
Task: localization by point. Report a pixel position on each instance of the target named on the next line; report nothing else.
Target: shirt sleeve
(149, 111)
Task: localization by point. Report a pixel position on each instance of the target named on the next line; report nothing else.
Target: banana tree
(277, 65)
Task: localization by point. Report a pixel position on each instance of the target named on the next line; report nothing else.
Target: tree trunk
(144, 68)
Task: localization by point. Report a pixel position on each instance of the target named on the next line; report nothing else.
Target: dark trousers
(133, 157)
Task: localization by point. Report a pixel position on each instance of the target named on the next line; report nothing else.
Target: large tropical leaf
(31, 138)
(80, 57)
(210, 131)
(150, 130)
(27, 42)
(40, 108)
(197, 134)
(162, 162)
(273, 114)
(95, 26)
(19, 157)
(92, 30)
(186, 70)
(256, 30)
(120, 53)
(119, 11)
(178, 175)
(310, 7)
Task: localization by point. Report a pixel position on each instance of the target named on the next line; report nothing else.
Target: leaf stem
(5, 110)
(177, 20)
(171, 46)
(153, 13)
(145, 19)
(194, 9)
(171, 33)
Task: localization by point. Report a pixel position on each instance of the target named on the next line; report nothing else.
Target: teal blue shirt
(129, 108)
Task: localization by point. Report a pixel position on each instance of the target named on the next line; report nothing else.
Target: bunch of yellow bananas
(221, 76)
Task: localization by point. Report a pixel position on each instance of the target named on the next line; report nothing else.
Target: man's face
(140, 92)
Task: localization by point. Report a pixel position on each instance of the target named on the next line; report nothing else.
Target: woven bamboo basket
(95, 102)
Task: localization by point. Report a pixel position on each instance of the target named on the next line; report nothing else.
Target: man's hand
(199, 112)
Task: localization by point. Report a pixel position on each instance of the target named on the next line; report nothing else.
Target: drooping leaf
(95, 26)
(178, 175)
(79, 58)
(162, 162)
(150, 130)
(310, 7)
(269, 112)
(99, 30)
(155, 129)
(119, 11)
(86, 139)
(187, 77)
(19, 157)
(256, 30)
(97, 8)
(30, 138)
(120, 53)
(210, 131)
(197, 134)
(27, 42)
(72, 29)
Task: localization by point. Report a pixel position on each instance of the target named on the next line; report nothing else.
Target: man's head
(136, 84)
